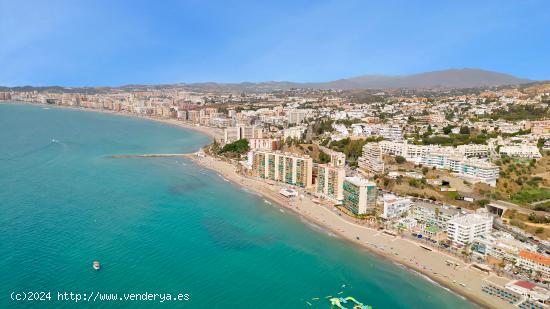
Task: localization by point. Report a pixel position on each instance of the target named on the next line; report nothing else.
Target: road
(523, 210)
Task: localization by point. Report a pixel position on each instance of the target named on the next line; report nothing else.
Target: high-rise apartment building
(371, 158)
(330, 177)
(462, 230)
(296, 116)
(232, 134)
(193, 116)
(359, 195)
(283, 167)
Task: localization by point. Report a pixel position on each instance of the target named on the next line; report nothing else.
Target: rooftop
(540, 259)
(471, 219)
(358, 181)
(446, 209)
(525, 284)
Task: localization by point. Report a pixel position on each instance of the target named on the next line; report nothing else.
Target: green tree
(400, 159)
(323, 157)
(464, 130)
(482, 203)
(241, 146)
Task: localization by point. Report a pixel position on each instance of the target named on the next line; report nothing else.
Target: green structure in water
(340, 302)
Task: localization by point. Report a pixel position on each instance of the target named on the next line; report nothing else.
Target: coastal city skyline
(289, 154)
(449, 179)
(102, 43)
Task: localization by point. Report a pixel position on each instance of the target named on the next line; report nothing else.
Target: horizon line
(277, 81)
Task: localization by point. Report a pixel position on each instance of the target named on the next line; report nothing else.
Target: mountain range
(452, 78)
(445, 79)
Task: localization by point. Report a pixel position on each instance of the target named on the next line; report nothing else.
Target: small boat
(96, 265)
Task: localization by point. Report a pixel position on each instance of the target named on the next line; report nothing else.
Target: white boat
(96, 265)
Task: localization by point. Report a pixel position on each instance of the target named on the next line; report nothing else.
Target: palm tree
(400, 229)
(501, 265)
(538, 275)
(378, 221)
(466, 251)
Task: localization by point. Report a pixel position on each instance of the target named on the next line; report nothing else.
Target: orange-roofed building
(534, 262)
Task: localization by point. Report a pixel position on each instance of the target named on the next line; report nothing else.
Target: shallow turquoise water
(163, 225)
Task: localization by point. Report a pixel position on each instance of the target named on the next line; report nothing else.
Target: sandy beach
(460, 278)
(215, 134)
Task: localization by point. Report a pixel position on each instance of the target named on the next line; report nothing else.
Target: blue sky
(110, 43)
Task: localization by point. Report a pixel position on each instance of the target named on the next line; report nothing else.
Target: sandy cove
(400, 250)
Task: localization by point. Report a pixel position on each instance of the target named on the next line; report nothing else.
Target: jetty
(150, 155)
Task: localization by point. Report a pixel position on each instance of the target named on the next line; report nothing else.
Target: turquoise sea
(163, 225)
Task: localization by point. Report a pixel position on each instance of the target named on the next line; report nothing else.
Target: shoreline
(210, 132)
(303, 209)
(429, 265)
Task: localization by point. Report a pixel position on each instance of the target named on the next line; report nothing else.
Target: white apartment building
(219, 122)
(530, 291)
(500, 245)
(539, 127)
(182, 114)
(250, 132)
(473, 150)
(288, 168)
(361, 129)
(433, 214)
(508, 127)
(330, 182)
(404, 149)
(474, 169)
(262, 143)
(296, 115)
(193, 116)
(411, 151)
(393, 148)
(359, 195)
(534, 262)
(435, 158)
(293, 132)
(446, 158)
(232, 134)
(371, 158)
(330, 176)
(464, 229)
(520, 151)
(395, 207)
(407, 223)
(341, 129)
(392, 133)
